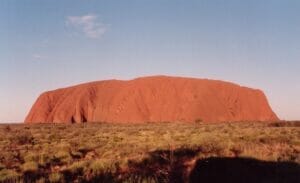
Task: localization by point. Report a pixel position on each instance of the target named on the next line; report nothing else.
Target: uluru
(152, 99)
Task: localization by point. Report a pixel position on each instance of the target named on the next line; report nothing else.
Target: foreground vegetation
(152, 152)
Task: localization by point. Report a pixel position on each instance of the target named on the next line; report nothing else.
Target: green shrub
(97, 167)
(76, 154)
(30, 166)
(78, 167)
(8, 176)
(84, 148)
(43, 159)
(31, 157)
(55, 177)
(63, 156)
(7, 128)
(22, 138)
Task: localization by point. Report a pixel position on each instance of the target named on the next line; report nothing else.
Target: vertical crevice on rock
(73, 120)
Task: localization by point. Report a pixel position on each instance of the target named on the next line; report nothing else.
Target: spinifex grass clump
(152, 152)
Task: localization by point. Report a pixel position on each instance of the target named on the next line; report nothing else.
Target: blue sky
(46, 44)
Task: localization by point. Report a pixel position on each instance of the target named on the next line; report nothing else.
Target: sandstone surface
(152, 99)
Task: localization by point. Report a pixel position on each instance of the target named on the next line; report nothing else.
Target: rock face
(152, 99)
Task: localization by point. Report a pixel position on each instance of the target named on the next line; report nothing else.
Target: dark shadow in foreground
(243, 170)
(182, 165)
(173, 166)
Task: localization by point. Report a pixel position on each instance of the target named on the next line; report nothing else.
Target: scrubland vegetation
(152, 152)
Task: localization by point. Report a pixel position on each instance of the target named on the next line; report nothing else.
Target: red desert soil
(152, 99)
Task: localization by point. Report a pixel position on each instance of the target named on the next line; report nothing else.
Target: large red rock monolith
(152, 99)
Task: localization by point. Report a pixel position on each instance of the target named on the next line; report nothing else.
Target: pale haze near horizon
(48, 44)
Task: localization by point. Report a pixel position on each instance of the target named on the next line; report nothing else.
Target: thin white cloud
(37, 56)
(87, 24)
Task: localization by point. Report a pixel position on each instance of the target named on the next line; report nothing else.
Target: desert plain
(150, 152)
